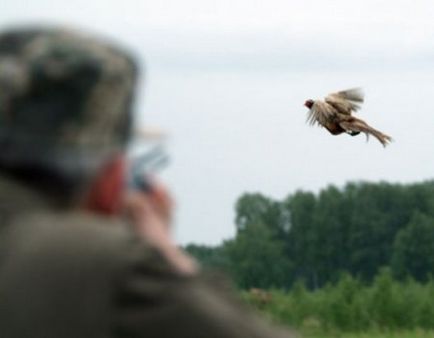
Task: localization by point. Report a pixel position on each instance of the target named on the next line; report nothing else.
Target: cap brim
(149, 134)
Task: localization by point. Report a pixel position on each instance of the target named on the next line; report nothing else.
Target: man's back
(73, 274)
(57, 270)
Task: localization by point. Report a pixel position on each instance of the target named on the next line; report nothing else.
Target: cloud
(245, 34)
(268, 50)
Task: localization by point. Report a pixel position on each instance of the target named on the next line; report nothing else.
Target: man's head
(65, 106)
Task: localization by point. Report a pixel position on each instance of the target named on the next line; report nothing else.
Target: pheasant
(335, 114)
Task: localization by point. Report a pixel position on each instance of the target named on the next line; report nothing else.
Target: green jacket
(71, 274)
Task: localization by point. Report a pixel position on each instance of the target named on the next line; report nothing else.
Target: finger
(160, 198)
(137, 204)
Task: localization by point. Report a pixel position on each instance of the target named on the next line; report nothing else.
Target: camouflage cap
(65, 98)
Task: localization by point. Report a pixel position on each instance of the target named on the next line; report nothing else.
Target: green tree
(413, 252)
(316, 237)
(302, 242)
(257, 259)
(252, 209)
(208, 256)
(379, 211)
(332, 233)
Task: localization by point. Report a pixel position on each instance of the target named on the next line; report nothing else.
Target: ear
(106, 191)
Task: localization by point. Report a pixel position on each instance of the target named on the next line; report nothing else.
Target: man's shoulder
(64, 269)
(61, 229)
(70, 242)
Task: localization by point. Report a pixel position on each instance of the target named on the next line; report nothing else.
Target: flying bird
(335, 114)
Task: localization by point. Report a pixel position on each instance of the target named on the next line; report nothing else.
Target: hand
(151, 213)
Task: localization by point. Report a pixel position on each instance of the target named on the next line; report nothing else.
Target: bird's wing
(320, 113)
(346, 101)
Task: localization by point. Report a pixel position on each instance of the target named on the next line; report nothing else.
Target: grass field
(385, 309)
(398, 334)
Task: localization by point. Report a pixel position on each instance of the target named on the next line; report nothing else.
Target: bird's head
(309, 103)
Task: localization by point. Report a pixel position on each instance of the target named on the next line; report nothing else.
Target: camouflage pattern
(65, 98)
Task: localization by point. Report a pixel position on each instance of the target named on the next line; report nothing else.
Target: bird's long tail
(358, 125)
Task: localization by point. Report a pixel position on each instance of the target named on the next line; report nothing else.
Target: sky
(227, 80)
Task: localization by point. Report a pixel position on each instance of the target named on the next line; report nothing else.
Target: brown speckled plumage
(335, 114)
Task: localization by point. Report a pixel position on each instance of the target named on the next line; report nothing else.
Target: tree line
(315, 238)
